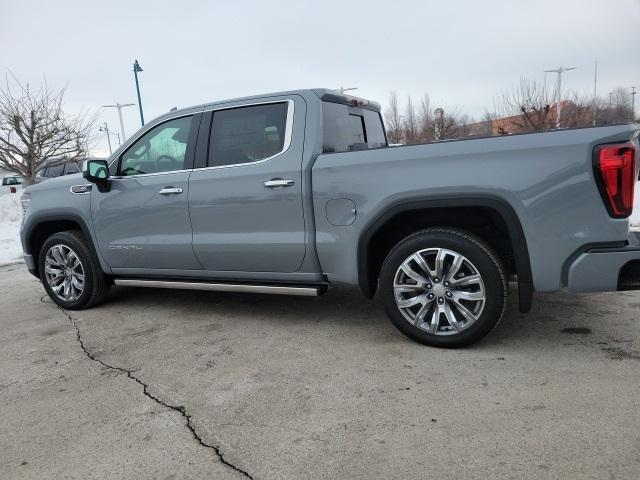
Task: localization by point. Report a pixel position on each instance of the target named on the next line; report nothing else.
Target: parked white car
(11, 184)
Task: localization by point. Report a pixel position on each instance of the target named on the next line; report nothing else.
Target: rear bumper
(607, 269)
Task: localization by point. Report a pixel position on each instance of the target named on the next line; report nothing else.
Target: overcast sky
(461, 52)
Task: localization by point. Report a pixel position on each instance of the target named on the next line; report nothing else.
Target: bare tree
(578, 111)
(527, 107)
(393, 119)
(410, 123)
(486, 124)
(463, 123)
(583, 111)
(425, 119)
(620, 106)
(34, 130)
(445, 124)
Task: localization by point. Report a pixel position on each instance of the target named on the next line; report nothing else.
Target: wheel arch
(368, 270)
(39, 229)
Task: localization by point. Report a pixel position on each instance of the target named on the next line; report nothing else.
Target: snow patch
(10, 219)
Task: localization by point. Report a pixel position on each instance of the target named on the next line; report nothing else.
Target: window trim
(288, 132)
(199, 116)
(118, 160)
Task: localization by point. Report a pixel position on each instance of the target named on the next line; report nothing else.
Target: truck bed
(547, 179)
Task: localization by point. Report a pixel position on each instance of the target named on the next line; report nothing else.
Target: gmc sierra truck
(295, 192)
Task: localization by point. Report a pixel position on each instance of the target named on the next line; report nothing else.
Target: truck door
(246, 200)
(143, 222)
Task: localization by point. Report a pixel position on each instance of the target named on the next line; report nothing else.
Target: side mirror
(97, 171)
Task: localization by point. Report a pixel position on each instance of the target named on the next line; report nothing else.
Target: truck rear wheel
(71, 276)
(443, 287)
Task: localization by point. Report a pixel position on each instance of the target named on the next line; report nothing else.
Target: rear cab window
(247, 134)
(346, 128)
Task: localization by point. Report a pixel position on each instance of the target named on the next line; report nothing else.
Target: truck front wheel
(70, 274)
(443, 287)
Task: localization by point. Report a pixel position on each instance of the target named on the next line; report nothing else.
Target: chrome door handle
(170, 191)
(278, 183)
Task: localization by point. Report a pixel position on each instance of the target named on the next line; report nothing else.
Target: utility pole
(137, 68)
(401, 133)
(106, 129)
(633, 104)
(595, 92)
(119, 107)
(559, 71)
(610, 108)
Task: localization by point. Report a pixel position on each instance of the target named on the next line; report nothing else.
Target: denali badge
(125, 247)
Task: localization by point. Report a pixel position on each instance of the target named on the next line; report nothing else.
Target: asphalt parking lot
(179, 384)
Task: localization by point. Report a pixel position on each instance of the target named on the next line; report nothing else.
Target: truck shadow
(558, 319)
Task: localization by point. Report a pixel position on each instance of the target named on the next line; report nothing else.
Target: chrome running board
(305, 291)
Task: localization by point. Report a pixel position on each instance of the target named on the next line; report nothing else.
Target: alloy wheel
(439, 291)
(64, 272)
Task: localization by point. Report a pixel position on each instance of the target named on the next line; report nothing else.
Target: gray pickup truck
(295, 192)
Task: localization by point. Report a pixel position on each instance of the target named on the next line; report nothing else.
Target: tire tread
(467, 237)
(100, 285)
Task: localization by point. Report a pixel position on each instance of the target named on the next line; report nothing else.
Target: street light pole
(106, 129)
(595, 92)
(559, 71)
(610, 107)
(119, 107)
(137, 68)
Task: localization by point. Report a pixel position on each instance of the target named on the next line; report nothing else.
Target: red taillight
(615, 170)
(12, 189)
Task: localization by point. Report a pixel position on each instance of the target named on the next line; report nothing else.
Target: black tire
(96, 284)
(485, 261)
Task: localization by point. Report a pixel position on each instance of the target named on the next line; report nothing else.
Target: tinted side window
(161, 149)
(346, 128)
(70, 168)
(374, 128)
(55, 171)
(247, 134)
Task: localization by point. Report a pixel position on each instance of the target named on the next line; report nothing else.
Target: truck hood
(63, 182)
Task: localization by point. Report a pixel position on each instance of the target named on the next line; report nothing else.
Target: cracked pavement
(145, 390)
(177, 384)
